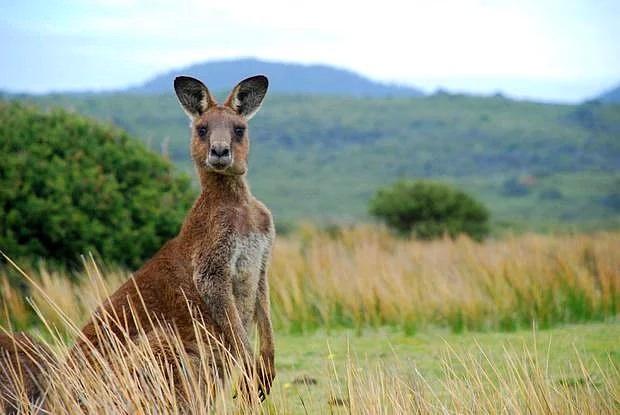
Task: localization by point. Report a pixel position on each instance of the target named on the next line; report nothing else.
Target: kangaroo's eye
(239, 131)
(202, 131)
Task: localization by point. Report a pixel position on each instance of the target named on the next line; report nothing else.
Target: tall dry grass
(472, 383)
(364, 276)
(133, 376)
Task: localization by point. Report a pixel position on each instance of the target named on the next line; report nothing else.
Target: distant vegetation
(430, 210)
(70, 185)
(534, 165)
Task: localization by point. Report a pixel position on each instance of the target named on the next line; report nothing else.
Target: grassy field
(314, 369)
(365, 277)
(369, 323)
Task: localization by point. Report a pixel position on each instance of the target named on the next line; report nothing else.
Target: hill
(611, 96)
(285, 78)
(323, 157)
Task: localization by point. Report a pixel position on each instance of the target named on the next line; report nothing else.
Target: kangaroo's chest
(248, 258)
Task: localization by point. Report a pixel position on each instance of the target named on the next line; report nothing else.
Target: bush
(430, 210)
(69, 186)
(513, 187)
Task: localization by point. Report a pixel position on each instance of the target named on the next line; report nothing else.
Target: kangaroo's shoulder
(252, 217)
(263, 217)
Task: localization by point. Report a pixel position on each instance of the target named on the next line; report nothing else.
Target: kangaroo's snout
(220, 150)
(219, 156)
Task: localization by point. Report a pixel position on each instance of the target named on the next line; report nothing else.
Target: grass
(308, 365)
(368, 323)
(364, 277)
(569, 370)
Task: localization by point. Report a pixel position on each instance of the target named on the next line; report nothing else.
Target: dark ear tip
(264, 79)
(258, 79)
(178, 81)
(182, 80)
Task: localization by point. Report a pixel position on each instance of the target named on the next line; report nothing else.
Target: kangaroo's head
(220, 141)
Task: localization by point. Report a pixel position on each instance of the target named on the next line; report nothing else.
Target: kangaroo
(218, 262)
(22, 354)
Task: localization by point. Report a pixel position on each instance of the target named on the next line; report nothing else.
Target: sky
(556, 51)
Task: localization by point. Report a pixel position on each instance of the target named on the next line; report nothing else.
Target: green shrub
(429, 210)
(70, 185)
(513, 187)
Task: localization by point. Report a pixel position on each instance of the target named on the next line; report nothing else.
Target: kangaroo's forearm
(266, 359)
(263, 316)
(227, 318)
(265, 330)
(216, 292)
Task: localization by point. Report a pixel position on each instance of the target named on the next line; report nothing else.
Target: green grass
(320, 355)
(427, 369)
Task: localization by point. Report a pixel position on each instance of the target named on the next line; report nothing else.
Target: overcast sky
(545, 50)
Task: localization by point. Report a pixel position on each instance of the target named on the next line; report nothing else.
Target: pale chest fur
(249, 255)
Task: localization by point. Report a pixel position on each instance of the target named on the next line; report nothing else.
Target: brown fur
(195, 266)
(22, 355)
(218, 261)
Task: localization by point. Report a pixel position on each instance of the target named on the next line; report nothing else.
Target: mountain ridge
(611, 96)
(284, 77)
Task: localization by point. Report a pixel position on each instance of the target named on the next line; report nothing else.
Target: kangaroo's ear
(193, 95)
(247, 96)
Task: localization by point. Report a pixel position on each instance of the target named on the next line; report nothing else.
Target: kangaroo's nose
(219, 155)
(219, 150)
